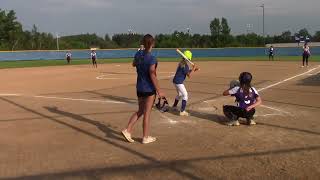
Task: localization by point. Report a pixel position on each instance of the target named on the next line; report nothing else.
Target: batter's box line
(64, 98)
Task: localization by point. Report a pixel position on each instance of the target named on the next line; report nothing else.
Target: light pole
(249, 28)
(262, 6)
(57, 41)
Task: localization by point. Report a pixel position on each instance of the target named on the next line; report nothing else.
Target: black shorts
(93, 58)
(146, 94)
(305, 55)
(234, 112)
(68, 58)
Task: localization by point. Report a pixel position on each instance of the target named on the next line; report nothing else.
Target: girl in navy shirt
(68, 57)
(271, 53)
(147, 88)
(183, 70)
(247, 99)
(94, 58)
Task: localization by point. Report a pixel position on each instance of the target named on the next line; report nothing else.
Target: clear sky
(163, 16)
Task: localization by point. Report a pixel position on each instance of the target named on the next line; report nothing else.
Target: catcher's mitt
(162, 105)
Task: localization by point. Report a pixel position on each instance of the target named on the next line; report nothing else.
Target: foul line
(275, 109)
(288, 79)
(65, 98)
(86, 100)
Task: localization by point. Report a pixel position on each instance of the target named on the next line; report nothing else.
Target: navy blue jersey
(143, 62)
(181, 74)
(271, 51)
(93, 55)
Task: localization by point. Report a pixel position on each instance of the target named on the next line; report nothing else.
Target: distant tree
(304, 32)
(35, 37)
(215, 28)
(107, 37)
(250, 40)
(196, 41)
(10, 29)
(286, 36)
(205, 41)
(225, 29)
(226, 38)
(13, 37)
(316, 36)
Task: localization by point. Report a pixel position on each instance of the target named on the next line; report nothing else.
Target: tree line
(13, 37)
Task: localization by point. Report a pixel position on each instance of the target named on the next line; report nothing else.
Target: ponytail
(148, 42)
(246, 88)
(245, 82)
(182, 64)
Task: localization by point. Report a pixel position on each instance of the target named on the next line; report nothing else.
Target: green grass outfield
(41, 63)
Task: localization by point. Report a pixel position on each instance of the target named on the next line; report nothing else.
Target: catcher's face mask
(162, 105)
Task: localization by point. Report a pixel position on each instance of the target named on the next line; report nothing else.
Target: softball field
(64, 122)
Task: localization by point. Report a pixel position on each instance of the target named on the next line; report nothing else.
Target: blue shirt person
(142, 62)
(181, 74)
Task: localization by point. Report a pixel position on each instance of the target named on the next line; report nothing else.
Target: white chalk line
(275, 109)
(288, 79)
(75, 99)
(315, 73)
(64, 98)
(10, 95)
(171, 121)
(166, 118)
(106, 76)
(266, 115)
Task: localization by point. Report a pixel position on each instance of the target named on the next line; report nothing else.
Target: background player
(247, 99)
(271, 53)
(183, 70)
(305, 55)
(94, 58)
(141, 48)
(68, 57)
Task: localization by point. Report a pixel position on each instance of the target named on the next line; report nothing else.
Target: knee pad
(185, 97)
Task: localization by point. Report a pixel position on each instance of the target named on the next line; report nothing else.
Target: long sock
(176, 101)
(183, 106)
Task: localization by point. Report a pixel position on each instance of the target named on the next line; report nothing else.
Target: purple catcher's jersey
(243, 100)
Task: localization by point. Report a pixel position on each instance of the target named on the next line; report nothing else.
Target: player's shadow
(107, 129)
(115, 98)
(206, 116)
(313, 80)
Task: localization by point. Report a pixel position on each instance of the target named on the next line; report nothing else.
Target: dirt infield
(64, 123)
